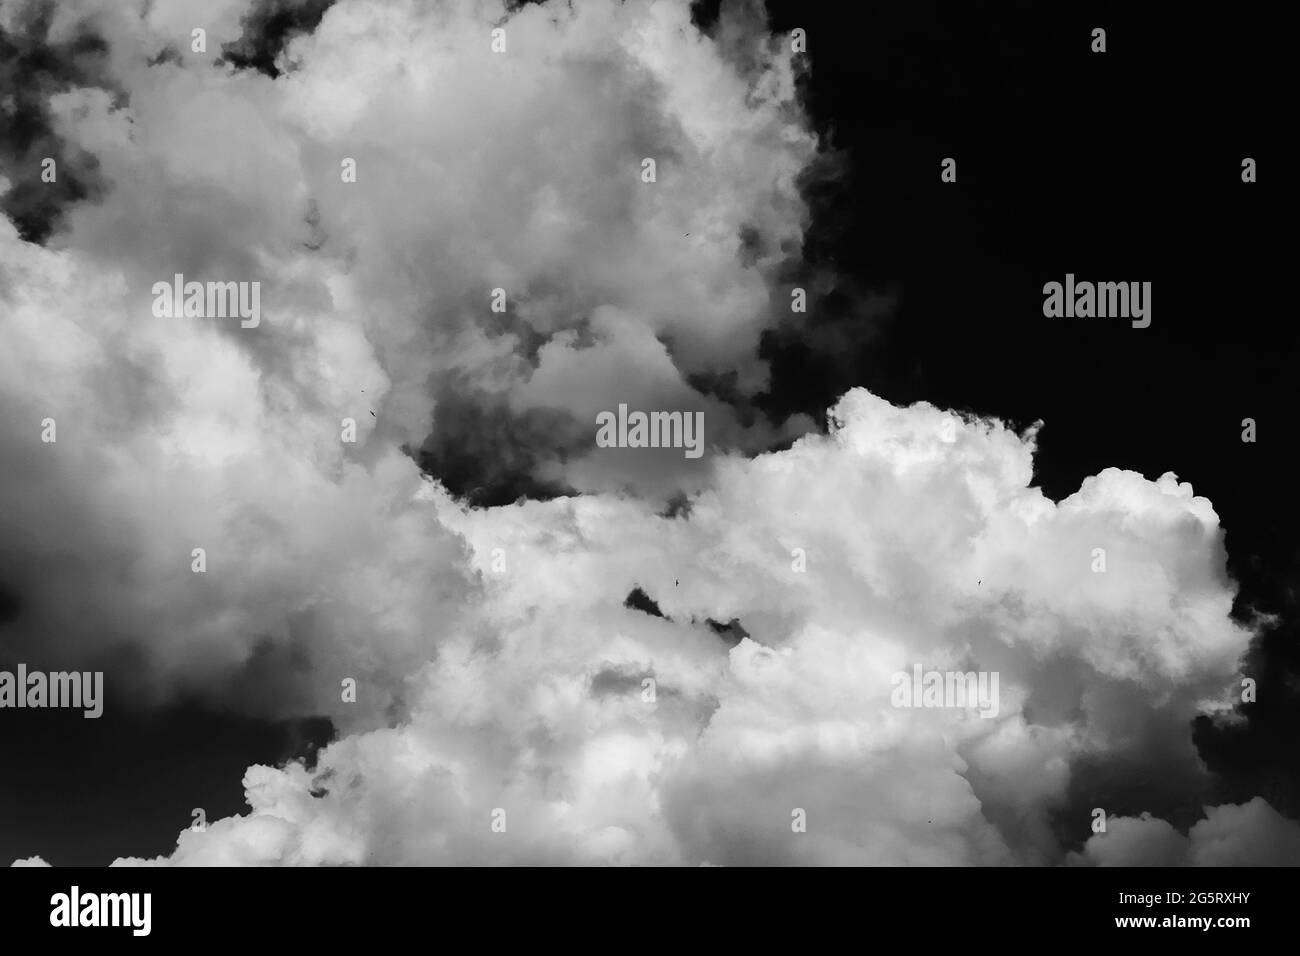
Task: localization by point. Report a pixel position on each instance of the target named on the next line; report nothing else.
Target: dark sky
(1121, 166)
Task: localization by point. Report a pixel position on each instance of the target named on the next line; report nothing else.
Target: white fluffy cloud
(919, 550)
(476, 170)
(1249, 834)
(498, 668)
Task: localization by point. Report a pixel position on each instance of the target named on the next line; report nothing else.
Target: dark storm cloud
(489, 454)
(267, 30)
(33, 67)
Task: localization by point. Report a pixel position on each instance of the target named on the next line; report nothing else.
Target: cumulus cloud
(1249, 834)
(919, 550)
(521, 173)
(502, 712)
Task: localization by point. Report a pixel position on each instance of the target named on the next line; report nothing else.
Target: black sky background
(1116, 166)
